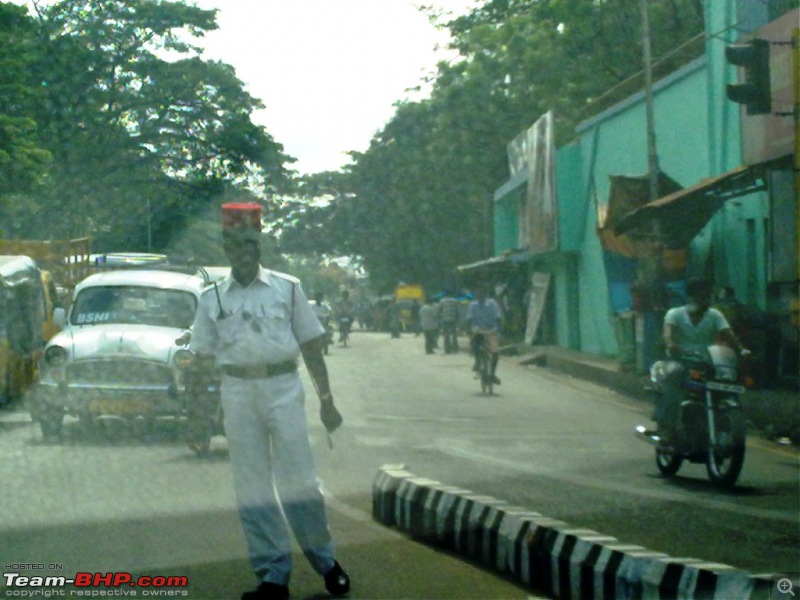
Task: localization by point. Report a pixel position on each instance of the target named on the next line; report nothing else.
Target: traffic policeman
(255, 324)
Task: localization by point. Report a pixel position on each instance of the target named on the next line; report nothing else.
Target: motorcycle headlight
(55, 356)
(183, 359)
(725, 373)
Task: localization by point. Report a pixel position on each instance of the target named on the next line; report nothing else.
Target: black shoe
(268, 591)
(337, 582)
(495, 380)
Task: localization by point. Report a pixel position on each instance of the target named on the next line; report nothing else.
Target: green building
(726, 205)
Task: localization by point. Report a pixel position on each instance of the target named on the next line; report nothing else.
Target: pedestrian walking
(255, 324)
(429, 322)
(448, 317)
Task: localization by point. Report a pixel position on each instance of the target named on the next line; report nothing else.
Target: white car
(117, 355)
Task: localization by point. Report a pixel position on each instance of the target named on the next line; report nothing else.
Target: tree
(22, 158)
(418, 201)
(142, 132)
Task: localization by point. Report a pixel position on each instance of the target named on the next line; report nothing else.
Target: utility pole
(649, 270)
(652, 155)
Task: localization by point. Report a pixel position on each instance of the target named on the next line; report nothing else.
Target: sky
(328, 71)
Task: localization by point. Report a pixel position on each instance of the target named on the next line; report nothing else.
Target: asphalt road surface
(122, 500)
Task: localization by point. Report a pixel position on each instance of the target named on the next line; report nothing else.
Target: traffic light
(754, 93)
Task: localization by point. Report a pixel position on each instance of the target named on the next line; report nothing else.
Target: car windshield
(134, 305)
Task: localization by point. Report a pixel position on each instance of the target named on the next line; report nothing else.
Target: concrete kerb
(545, 554)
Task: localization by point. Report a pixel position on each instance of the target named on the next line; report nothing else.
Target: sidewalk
(774, 413)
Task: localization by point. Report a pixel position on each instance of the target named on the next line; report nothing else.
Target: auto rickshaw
(24, 324)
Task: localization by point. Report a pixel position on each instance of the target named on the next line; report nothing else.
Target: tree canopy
(116, 127)
(112, 125)
(418, 202)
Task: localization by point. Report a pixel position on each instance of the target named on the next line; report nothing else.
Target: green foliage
(418, 202)
(143, 134)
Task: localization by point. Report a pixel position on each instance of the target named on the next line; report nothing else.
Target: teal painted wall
(697, 136)
(571, 215)
(615, 143)
(506, 221)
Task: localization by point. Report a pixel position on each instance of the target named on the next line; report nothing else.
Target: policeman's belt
(260, 371)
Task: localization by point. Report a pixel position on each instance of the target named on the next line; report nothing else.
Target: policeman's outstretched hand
(331, 417)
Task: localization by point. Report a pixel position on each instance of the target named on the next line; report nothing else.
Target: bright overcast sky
(328, 71)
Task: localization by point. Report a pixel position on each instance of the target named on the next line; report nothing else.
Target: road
(556, 445)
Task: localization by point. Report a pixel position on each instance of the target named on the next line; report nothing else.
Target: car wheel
(51, 422)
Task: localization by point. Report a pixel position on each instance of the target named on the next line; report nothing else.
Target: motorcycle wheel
(725, 460)
(668, 462)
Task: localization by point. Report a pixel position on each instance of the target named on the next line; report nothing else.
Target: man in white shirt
(254, 325)
(690, 328)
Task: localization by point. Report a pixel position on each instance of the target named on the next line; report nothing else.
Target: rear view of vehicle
(23, 324)
(118, 355)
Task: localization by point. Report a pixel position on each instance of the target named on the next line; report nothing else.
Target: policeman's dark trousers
(274, 475)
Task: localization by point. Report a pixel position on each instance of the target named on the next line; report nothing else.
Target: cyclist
(484, 317)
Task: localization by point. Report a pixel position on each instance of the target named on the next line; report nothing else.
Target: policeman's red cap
(241, 219)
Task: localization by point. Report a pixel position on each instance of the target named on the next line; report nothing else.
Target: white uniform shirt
(695, 338)
(256, 324)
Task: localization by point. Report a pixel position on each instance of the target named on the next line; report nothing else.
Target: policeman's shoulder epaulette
(286, 276)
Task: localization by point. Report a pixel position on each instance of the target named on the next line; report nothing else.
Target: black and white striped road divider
(546, 554)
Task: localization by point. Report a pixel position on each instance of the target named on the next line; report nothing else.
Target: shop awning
(682, 214)
(495, 263)
(627, 194)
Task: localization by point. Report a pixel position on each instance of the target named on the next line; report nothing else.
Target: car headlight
(183, 359)
(55, 356)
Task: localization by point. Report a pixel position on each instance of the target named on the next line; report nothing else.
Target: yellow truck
(405, 297)
(67, 260)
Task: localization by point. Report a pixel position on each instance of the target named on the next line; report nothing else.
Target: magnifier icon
(785, 586)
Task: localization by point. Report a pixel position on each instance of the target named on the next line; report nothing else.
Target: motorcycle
(711, 425)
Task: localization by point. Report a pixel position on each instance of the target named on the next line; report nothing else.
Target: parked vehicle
(67, 260)
(406, 297)
(711, 427)
(25, 322)
(118, 356)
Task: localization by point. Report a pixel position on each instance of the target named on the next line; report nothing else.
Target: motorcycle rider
(689, 329)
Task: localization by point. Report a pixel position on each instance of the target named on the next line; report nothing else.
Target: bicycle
(485, 343)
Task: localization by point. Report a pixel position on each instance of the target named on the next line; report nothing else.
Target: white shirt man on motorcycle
(689, 329)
